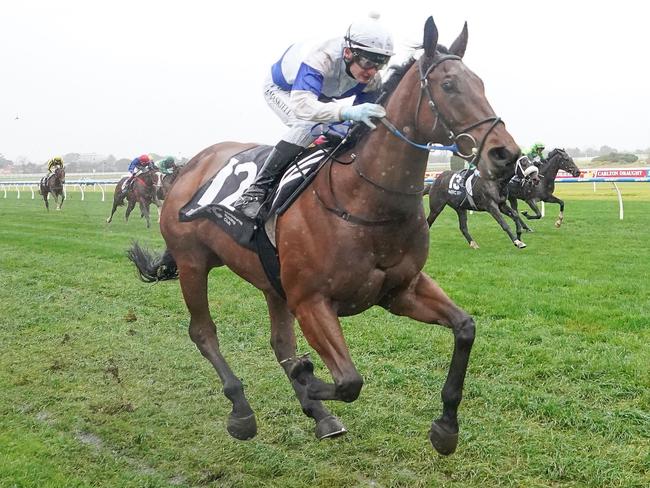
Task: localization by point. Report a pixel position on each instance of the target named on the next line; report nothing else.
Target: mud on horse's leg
(299, 370)
(425, 301)
(194, 282)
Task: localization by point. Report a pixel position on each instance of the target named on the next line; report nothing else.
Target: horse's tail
(153, 267)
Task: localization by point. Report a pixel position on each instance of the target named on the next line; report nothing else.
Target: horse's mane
(397, 72)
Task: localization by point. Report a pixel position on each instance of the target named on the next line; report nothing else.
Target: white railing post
(620, 201)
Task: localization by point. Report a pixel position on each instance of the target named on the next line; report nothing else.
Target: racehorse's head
(452, 106)
(565, 162)
(59, 173)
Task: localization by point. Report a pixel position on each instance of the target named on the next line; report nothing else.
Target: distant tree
(71, 157)
(4, 161)
(605, 150)
(615, 157)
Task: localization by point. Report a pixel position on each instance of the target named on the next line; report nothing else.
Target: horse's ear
(460, 44)
(430, 37)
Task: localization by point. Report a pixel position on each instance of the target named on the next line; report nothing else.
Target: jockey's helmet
(369, 40)
(57, 160)
(144, 158)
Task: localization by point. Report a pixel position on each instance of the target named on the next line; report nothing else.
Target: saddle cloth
(463, 194)
(215, 198)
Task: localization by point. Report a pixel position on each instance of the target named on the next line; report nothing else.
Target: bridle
(425, 88)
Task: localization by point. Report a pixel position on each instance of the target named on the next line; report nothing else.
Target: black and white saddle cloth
(463, 193)
(215, 198)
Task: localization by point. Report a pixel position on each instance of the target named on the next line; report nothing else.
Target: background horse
(166, 182)
(53, 184)
(557, 159)
(489, 195)
(142, 191)
(357, 237)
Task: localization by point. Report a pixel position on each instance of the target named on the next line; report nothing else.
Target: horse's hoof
(558, 223)
(529, 230)
(519, 244)
(473, 245)
(329, 427)
(442, 441)
(242, 428)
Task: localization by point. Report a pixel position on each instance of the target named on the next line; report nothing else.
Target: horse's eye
(448, 86)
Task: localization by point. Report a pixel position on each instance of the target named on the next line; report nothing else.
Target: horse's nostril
(502, 156)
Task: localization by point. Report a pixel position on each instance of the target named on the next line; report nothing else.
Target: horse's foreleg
(554, 199)
(514, 215)
(495, 212)
(425, 301)
(59, 200)
(45, 198)
(534, 208)
(298, 369)
(462, 224)
(515, 206)
(194, 284)
(322, 329)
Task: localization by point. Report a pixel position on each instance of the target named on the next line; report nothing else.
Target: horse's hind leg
(144, 210)
(44, 193)
(116, 203)
(435, 207)
(129, 208)
(462, 224)
(193, 277)
(427, 302)
(298, 369)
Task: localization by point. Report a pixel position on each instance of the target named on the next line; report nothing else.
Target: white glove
(363, 113)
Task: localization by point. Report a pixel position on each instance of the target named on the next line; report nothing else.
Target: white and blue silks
(306, 81)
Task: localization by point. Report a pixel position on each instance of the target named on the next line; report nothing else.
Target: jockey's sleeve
(304, 97)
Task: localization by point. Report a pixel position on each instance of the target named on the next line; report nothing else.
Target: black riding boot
(281, 156)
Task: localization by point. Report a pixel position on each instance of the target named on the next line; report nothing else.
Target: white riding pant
(299, 132)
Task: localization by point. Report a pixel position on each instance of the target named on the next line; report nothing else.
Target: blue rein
(426, 147)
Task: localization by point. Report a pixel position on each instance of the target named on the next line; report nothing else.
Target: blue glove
(363, 112)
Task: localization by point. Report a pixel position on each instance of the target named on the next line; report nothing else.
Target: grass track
(557, 392)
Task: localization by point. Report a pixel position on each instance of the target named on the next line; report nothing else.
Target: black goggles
(367, 60)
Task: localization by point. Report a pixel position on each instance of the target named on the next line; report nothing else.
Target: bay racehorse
(142, 192)
(488, 195)
(356, 237)
(558, 159)
(53, 184)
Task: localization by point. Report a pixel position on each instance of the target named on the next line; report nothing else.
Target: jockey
(53, 163)
(536, 153)
(302, 88)
(138, 165)
(166, 165)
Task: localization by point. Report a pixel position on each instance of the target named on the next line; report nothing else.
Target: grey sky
(128, 77)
